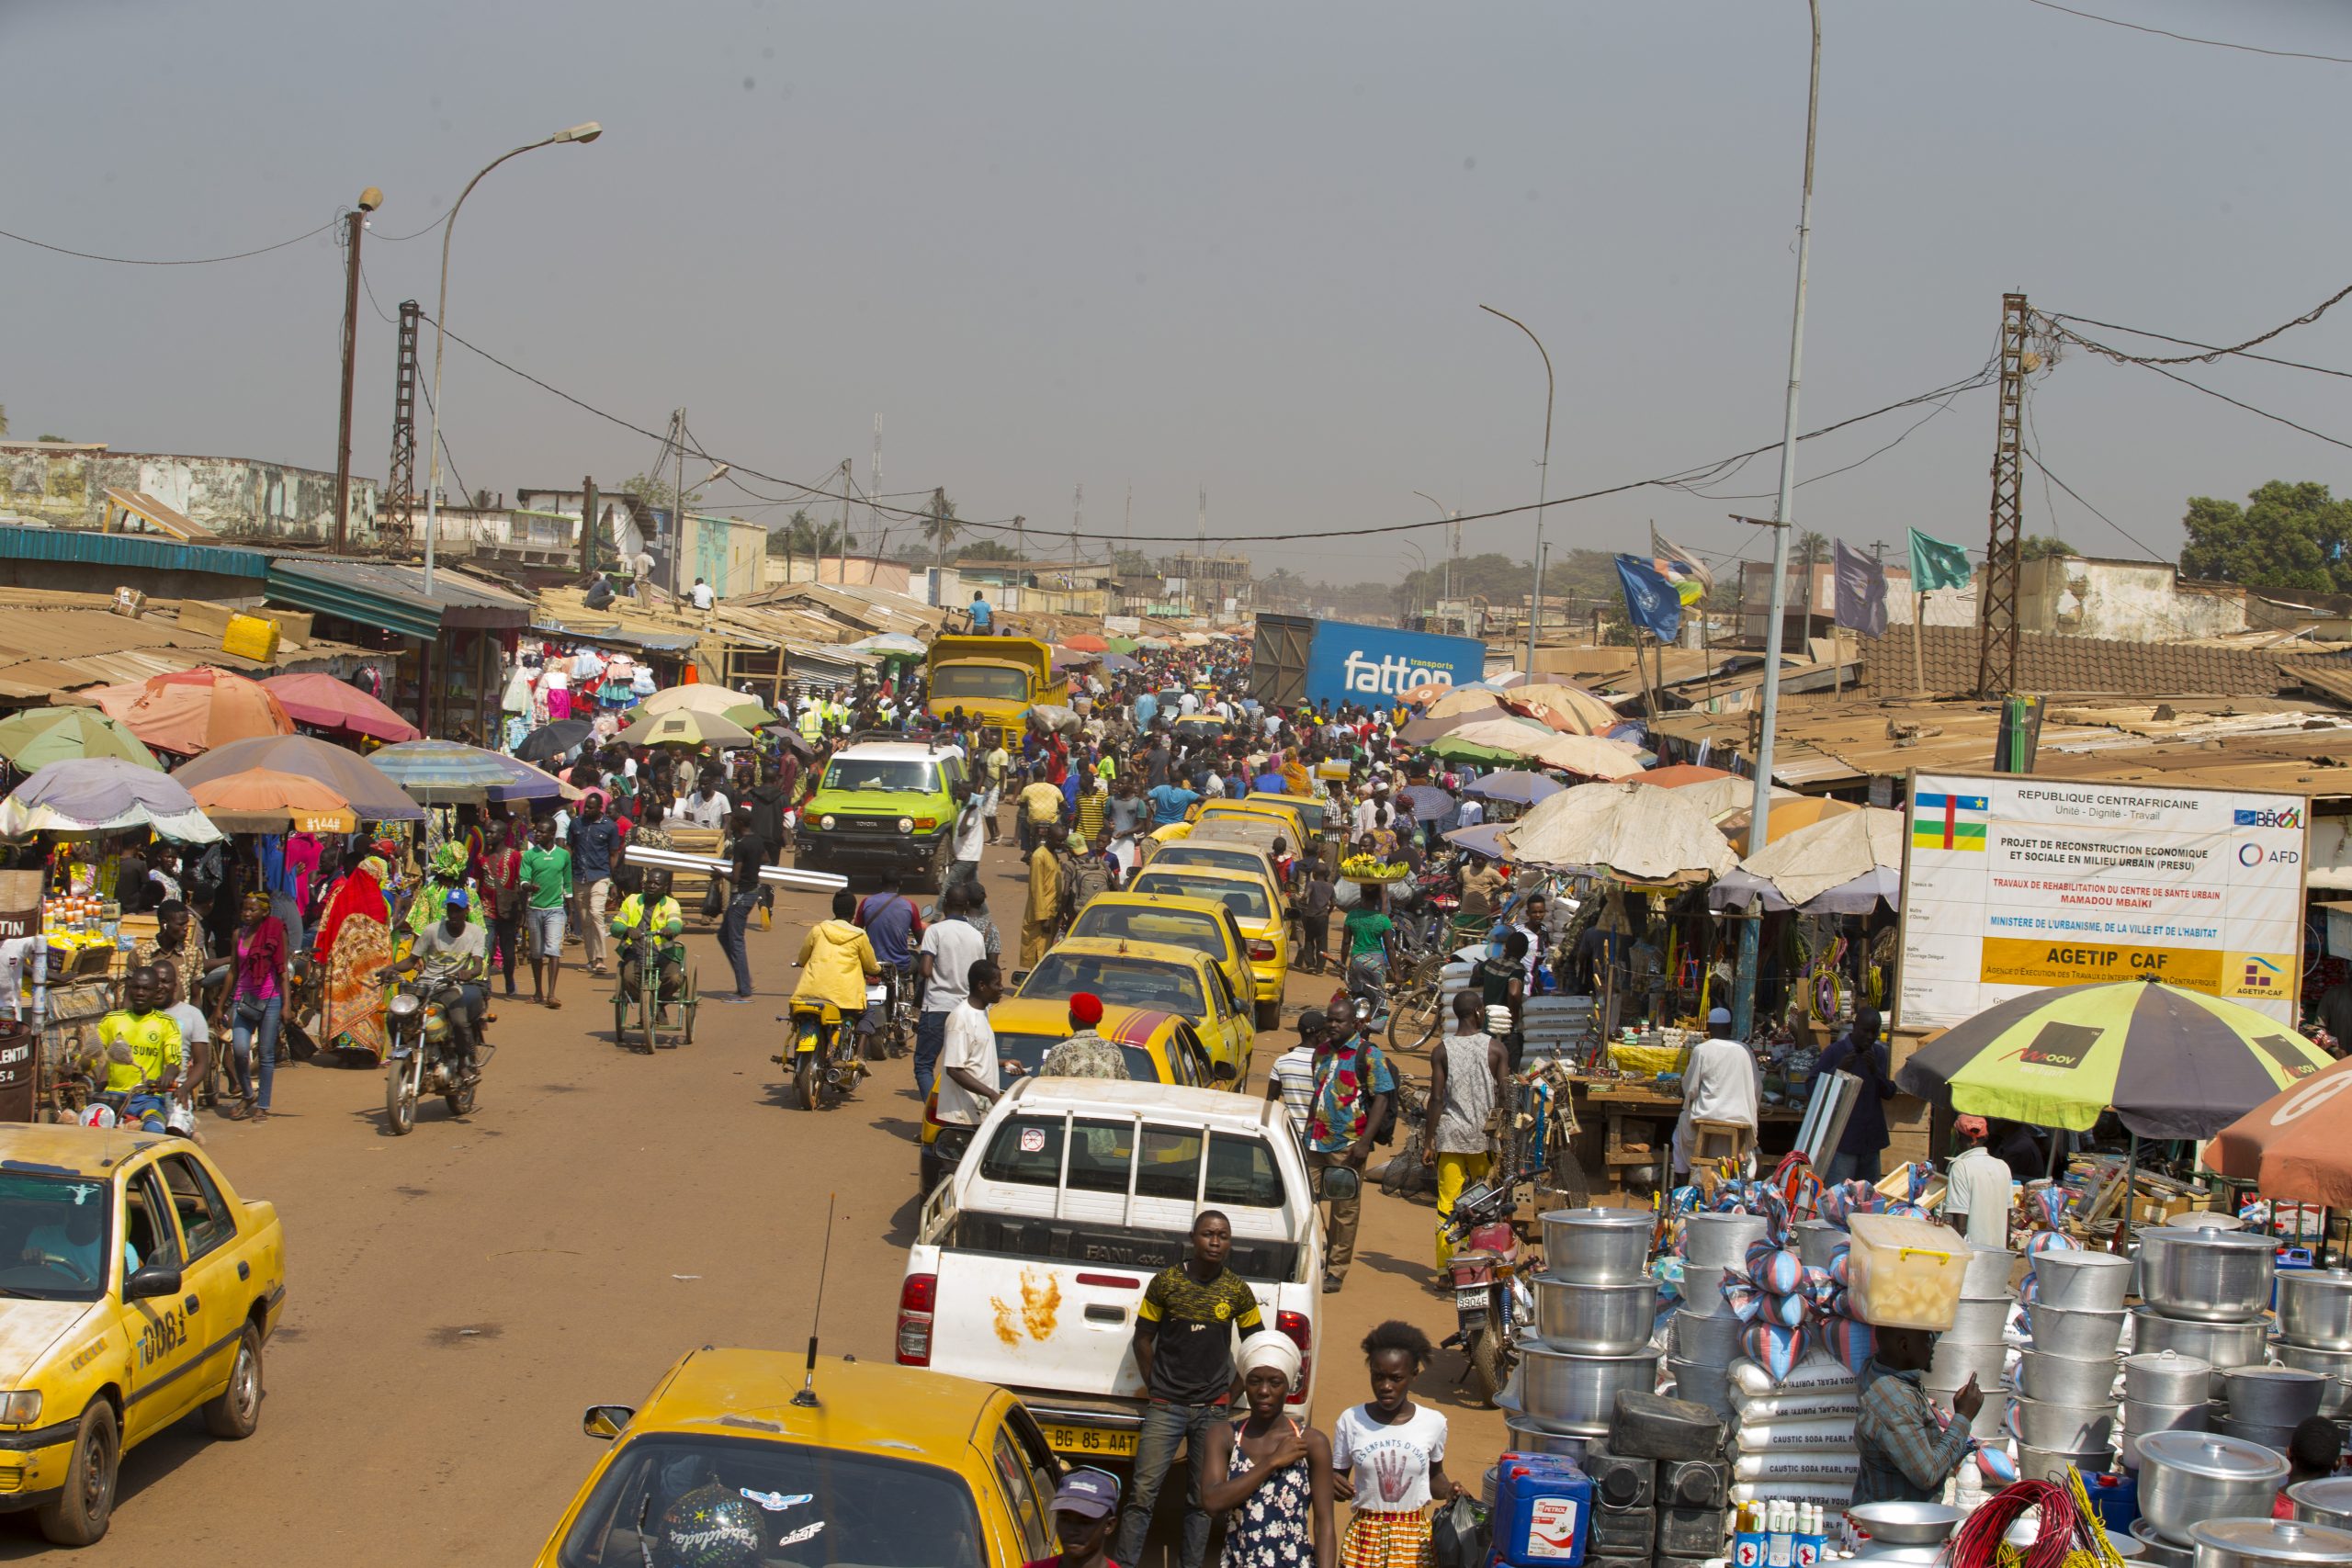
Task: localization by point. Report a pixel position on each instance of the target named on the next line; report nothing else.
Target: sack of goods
(1796, 1429)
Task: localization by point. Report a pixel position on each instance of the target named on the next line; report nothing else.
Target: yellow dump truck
(998, 679)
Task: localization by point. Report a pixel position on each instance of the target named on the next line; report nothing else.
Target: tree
(990, 549)
(2287, 535)
(790, 537)
(2043, 546)
(939, 525)
(3, 419)
(653, 490)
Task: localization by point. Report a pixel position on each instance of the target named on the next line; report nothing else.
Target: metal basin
(2089, 1282)
(2069, 1428)
(2315, 1308)
(2219, 1345)
(2167, 1377)
(1978, 1320)
(1594, 1320)
(1906, 1524)
(1596, 1247)
(2050, 1465)
(2336, 1364)
(2188, 1477)
(1562, 1389)
(1526, 1437)
(2270, 1543)
(2077, 1333)
(1710, 1340)
(1720, 1241)
(2327, 1501)
(1702, 1290)
(2272, 1396)
(2061, 1380)
(2216, 1276)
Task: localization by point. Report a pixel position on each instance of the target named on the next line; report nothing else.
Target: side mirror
(605, 1421)
(1019, 977)
(1223, 1072)
(154, 1280)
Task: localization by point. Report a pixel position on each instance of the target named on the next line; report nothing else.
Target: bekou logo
(2270, 817)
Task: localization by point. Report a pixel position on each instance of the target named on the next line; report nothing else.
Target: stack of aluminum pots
(2315, 1331)
(1975, 1345)
(1705, 1337)
(2264, 1405)
(2064, 1413)
(2205, 1290)
(2163, 1391)
(1596, 1307)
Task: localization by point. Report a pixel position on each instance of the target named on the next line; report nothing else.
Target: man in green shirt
(547, 880)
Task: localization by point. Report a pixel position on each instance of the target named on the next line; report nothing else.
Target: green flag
(1935, 564)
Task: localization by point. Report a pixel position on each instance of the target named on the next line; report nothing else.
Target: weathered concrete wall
(2123, 602)
(239, 497)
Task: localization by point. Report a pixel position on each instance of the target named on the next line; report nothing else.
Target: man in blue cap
(1084, 1506)
(452, 951)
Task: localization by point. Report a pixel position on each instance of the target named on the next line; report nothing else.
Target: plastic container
(250, 637)
(1904, 1273)
(1542, 1511)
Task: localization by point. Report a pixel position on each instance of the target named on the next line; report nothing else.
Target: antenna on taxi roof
(807, 1397)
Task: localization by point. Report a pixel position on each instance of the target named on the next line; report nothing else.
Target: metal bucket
(1991, 1425)
(1720, 1241)
(1711, 1339)
(1710, 1386)
(1596, 1247)
(2315, 1308)
(2076, 1333)
(2070, 1428)
(1987, 1273)
(1702, 1290)
(1979, 1320)
(2088, 1281)
(2060, 1379)
(1595, 1320)
(1952, 1364)
(1816, 1241)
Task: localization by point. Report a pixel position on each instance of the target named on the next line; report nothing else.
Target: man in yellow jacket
(1038, 915)
(836, 961)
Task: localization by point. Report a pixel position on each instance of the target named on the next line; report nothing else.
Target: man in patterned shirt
(1905, 1455)
(1085, 1054)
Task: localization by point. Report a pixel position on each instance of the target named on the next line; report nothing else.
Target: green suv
(884, 802)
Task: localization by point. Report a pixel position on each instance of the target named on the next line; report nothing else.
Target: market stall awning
(103, 794)
(383, 593)
(448, 773)
(193, 711)
(324, 702)
(34, 737)
(263, 800)
(1621, 830)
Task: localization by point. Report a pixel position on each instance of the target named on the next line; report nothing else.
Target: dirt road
(457, 1296)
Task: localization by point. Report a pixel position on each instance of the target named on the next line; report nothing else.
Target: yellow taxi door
(163, 1329)
(209, 1276)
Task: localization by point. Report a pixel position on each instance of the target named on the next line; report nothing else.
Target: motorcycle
(427, 1054)
(824, 1056)
(1489, 1303)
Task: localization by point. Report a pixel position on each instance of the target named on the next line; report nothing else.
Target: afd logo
(2270, 817)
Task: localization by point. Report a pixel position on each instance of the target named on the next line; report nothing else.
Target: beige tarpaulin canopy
(1830, 852)
(1623, 829)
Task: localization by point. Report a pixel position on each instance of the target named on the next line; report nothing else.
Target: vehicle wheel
(462, 1100)
(235, 1411)
(647, 1009)
(620, 1016)
(1487, 1372)
(79, 1515)
(689, 1005)
(804, 1079)
(400, 1096)
(1412, 1018)
(1270, 1014)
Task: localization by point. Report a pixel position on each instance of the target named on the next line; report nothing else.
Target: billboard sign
(1370, 665)
(2012, 883)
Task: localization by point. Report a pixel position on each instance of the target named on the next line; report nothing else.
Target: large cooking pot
(1595, 1320)
(1953, 1363)
(2077, 1332)
(1716, 1241)
(2072, 1428)
(2052, 1464)
(2186, 1478)
(1562, 1389)
(2167, 1377)
(2061, 1380)
(2147, 1420)
(2269, 1543)
(2093, 1281)
(1987, 1273)
(2315, 1308)
(2152, 1239)
(2327, 1501)
(1710, 1340)
(2218, 1345)
(2276, 1439)
(2217, 1276)
(1978, 1320)
(1702, 1290)
(2272, 1396)
(1527, 1438)
(1596, 1247)
(2337, 1403)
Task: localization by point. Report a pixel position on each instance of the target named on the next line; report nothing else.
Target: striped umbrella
(2172, 1063)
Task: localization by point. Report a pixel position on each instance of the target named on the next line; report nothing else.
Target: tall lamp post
(1424, 571)
(580, 133)
(1452, 542)
(1542, 485)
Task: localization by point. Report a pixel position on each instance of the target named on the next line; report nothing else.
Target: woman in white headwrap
(1276, 1484)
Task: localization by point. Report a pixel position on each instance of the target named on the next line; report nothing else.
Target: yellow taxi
(1326, 822)
(1156, 978)
(759, 1456)
(1256, 909)
(138, 1287)
(1159, 1048)
(1204, 924)
(1224, 855)
(1253, 809)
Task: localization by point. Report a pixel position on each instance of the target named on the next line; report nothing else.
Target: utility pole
(678, 503)
(1759, 815)
(401, 477)
(1542, 487)
(355, 224)
(1076, 515)
(588, 526)
(1997, 611)
(843, 579)
(1807, 637)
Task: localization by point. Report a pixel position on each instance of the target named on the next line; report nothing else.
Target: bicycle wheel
(1413, 1018)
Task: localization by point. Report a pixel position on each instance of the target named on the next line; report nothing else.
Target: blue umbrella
(1427, 802)
(1516, 786)
(1481, 838)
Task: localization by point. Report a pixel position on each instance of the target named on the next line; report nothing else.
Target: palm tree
(940, 526)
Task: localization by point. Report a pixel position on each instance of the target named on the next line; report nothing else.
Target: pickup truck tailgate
(1038, 1323)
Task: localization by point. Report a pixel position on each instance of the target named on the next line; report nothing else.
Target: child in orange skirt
(1392, 1453)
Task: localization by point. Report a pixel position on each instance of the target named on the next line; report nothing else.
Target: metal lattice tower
(400, 489)
(1997, 619)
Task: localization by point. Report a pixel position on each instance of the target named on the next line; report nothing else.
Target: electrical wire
(399, 239)
(1833, 473)
(2209, 354)
(2184, 38)
(2035, 458)
(2233, 402)
(188, 261)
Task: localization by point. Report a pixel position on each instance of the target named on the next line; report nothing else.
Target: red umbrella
(324, 702)
(1087, 642)
(192, 711)
(2292, 1146)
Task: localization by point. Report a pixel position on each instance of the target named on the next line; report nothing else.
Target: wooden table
(1638, 1105)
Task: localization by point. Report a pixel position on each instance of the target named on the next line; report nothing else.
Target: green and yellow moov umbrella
(2172, 1063)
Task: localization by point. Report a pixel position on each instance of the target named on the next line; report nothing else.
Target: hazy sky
(1223, 245)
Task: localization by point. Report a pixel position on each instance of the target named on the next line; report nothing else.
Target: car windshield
(993, 682)
(878, 774)
(1140, 922)
(1029, 1050)
(1187, 853)
(1308, 813)
(1248, 900)
(54, 1232)
(1120, 982)
(670, 1498)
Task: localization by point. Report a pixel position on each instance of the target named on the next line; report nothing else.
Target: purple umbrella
(1516, 786)
(1427, 802)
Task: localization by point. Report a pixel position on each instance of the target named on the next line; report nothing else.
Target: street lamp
(1543, 482)
(1452, 537)
(1424, 571)
(581, 133)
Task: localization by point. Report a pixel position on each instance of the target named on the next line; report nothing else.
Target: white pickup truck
(1032, 1257)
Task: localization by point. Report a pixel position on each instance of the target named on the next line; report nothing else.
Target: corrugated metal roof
(84, 547)
(380, 593)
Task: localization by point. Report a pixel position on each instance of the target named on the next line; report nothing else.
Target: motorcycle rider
(140, 1052)
(654, 914)
(446, 875)
(836, 961)
(455, 952)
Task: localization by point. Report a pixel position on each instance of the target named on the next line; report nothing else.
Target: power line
(2184, 38)
(190, 261)
(397, 239)
(2209, 354)
(2035, 458)
(2233, 402)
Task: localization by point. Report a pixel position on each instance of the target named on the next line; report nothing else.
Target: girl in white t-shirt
(1393, 1453)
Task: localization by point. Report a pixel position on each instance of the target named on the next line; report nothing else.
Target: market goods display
(1370, 868)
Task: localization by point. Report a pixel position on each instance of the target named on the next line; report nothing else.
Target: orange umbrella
(1788, 816)
(1087, 642)
(2292, 1146)
(263, 800)
(1680, 773)
(1426, 692)
(1568, 709)
(191, 711)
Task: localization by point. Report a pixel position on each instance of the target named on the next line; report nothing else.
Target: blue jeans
(1165, 1426)
(1849, 1168)
(731, 939)
(242, 1036)
(930, 1039)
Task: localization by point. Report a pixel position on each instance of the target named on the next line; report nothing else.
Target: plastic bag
(1459, 1534)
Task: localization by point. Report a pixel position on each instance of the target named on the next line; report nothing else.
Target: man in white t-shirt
(1720, 1084)
(1978, 1187)
(703, 597)
(970, 834)
(1291, 1077)
(951, 946)
(702, 807)
(969, 1072)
